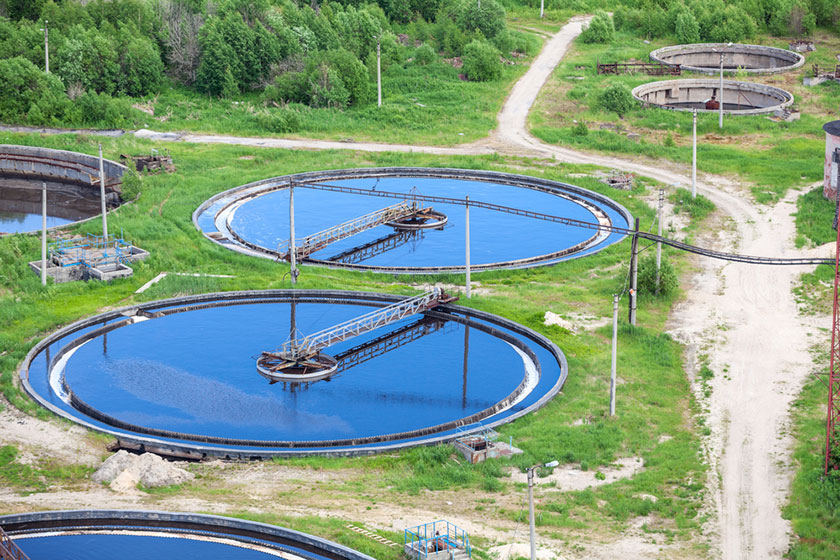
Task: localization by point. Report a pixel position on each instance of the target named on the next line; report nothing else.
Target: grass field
(772, 156)
(654, 401)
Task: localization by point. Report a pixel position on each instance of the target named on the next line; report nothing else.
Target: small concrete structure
(90, 258)
(739, 98)
(705, 58)
(832, 144)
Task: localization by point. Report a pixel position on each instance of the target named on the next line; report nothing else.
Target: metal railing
(8, 549)
(318, 241)
(437, 536)
(314, 343)
(90, 251)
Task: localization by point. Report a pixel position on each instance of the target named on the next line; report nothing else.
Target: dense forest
(106, 54)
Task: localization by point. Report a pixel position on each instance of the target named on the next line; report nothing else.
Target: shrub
(26, 92)
(354, 76)
(425, 55)
(327, 89)
(481, 62)
(580, 129)
(668, 282)
(617, 99)
(279, 120)
(600, 29)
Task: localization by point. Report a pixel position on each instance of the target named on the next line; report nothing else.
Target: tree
(141, 69)
(481, 62)
(489, 18)
(686, 28)
(27, 93)
(600, 29)
(214, 74)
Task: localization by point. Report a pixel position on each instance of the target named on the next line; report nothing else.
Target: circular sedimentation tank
(72, 181)
(179, 376)
(139, 535)
(705, 58)
(504, 232)
(739, 98)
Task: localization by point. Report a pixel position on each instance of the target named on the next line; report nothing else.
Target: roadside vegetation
(654, 399)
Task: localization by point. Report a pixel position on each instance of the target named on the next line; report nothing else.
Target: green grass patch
(815, 218)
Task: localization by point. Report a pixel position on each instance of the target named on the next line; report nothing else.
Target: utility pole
(379, 70)
(659, 232)
(467, 243)
(720, 103)
(614, 354)
(102, 194)
(634, 268)
(44, 233)
(531, 513)
(46, 47)
(542, 8)
(694, 157)
(293, 273)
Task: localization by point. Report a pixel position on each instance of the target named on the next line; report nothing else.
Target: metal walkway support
(8, 549)
(318, 241)
(314, 343)
(305, 355)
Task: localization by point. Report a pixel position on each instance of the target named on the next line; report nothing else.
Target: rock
(153, 471)
(124, 470)
(649, 498)
(126, 481)
(113, 466)
(633, 136)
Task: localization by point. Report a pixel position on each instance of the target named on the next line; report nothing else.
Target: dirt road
(744, 317)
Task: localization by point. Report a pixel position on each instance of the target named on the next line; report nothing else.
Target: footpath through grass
(654, 401)
(773, 156)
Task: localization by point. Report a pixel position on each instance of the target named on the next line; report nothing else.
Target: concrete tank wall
(832, 143)
(31, 162)
(686, 95)
(753, 59)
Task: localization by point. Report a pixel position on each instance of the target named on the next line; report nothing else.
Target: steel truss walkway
(574, 223)
(318, 241)
(301, 360)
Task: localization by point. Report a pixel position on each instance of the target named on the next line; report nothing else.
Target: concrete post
(379, 70)
(694, 157)
(466, 368)
(531, 512)
(659, 233)
(467, 245)
(102, 194)
(292, 251)
(614, 354)
(542, 8)
(634, 269)
(44, 234)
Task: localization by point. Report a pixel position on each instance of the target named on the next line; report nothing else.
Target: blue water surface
(95, 546)
(195, 373)
(494, 236)
(18, 222)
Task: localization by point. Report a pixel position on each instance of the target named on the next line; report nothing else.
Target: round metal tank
(832, 146)
(752, 59)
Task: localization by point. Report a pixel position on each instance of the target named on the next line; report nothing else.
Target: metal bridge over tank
(302, 360)
(403, 216)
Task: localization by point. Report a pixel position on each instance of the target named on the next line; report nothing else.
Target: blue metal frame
(422, 537)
